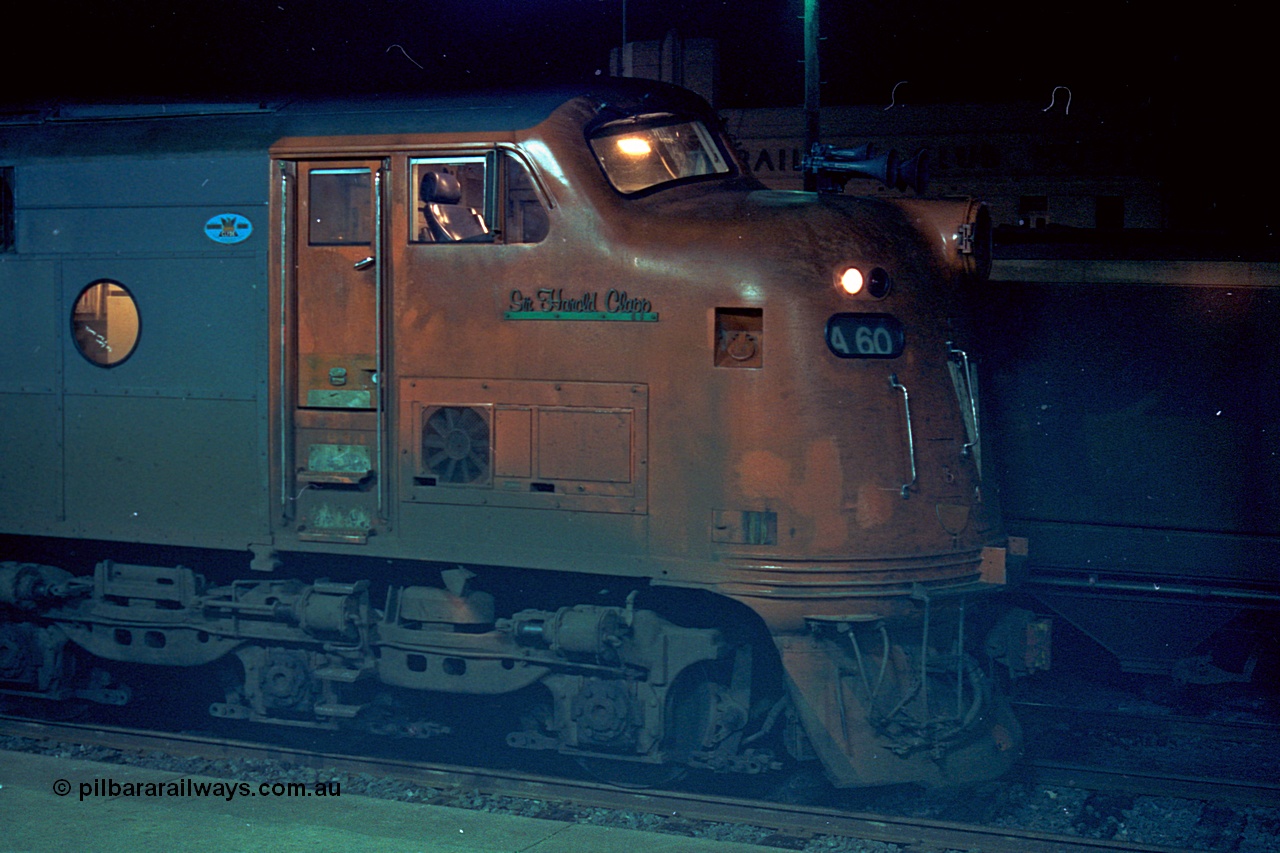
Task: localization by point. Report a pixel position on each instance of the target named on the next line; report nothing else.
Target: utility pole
(812, 83)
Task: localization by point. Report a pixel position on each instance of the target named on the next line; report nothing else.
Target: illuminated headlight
(852, 282)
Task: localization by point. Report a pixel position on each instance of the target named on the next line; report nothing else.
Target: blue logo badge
(228, 228)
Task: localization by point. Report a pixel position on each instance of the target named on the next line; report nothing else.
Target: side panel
(162, 469)
(30, 402)
(168, 444)
(536, 445)
(134, 205)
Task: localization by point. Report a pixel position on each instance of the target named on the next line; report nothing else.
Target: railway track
(1228, 780)
(791, 825)
(1147, 783)
(1168, 725)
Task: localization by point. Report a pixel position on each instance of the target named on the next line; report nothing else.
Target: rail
(798, 821)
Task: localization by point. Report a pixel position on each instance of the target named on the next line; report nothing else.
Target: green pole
(812, 80)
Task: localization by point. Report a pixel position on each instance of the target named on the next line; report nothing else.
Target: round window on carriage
(105, 323)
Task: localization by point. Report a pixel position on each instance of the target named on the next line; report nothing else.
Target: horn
(883, 168)
(831, 159)
(834, 167)
(865, 151)
(913, 173)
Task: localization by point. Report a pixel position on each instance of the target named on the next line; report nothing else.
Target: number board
(865, 336)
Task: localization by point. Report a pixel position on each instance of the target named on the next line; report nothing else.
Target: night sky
(1127, 52)
(1204, 76)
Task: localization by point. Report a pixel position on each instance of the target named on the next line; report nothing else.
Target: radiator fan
(455, 445)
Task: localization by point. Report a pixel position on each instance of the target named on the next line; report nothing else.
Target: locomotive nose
(961, 230)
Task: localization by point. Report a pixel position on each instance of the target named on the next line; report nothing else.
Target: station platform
(51, 805)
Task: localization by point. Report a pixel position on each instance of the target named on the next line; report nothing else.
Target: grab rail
(911, 440)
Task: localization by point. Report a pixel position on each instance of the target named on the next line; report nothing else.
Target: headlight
(850, 280)
(853, 282)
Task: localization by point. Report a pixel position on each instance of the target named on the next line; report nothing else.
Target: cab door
(337, 414)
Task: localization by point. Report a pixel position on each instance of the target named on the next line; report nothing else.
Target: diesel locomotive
(361, 410)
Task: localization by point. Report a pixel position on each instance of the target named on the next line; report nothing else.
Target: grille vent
(455, 445)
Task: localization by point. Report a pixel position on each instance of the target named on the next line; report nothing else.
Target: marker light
(633, 146)
(879, 283)
(850, 281)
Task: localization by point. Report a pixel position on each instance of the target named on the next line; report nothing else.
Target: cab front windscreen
(638, 155)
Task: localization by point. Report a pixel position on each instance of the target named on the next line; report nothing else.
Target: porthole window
(105, 324)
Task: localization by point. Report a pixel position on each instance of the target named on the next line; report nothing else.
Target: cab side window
(526, 217)
(459, 200)
(452, 200)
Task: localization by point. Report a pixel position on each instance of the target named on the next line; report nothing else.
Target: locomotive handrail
(964, 378)
(283, 351)
(911, 439)
(378, 275)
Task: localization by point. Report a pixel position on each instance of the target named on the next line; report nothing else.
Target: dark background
(1132, 52)
(1199, 76)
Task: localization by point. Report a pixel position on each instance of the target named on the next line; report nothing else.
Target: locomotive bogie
(310, 655)
(557, 336)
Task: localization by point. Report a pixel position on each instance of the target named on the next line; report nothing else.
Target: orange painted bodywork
(717, 444)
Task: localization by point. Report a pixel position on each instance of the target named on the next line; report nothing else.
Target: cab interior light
(634, 146)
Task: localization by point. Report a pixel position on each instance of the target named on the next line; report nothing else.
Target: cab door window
(341, 207)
